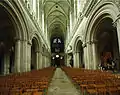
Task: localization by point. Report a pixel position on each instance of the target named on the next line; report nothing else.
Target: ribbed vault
(56, 16)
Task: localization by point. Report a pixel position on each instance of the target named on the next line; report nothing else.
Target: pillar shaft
(40, 60)
(23, 64)
(95, 56)
(37, 60)
(29, 56)
(118, 34)
(6, 63)
(76, 59)
(17, 55)
(88, 53)
(85, 57)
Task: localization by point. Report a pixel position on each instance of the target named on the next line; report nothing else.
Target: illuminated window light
(57, 56)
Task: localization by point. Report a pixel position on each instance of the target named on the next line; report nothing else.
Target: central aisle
(61, 85)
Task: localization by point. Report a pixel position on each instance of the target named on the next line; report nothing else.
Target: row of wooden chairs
(94, 81)
(27, 83)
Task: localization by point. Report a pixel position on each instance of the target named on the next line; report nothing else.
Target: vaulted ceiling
(57, 16)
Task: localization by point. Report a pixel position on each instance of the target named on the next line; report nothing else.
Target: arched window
(57, 40)
(57, 45)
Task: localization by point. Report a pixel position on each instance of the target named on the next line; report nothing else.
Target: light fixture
(61, 57)
(57, 56)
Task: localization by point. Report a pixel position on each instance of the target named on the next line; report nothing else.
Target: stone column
(40, 60)
(68, 59)
(17, 56)
(85, 55)
(6, 63)
(29, 56)
(43, 61)
(43, 21)
(117, 25)
(37, 59)
(48, 64)
(88, 55)
(23, 63)
(47, 61)
(95, 56)
(76, 59)
(71, 23)
(91, 54)
(75, 12)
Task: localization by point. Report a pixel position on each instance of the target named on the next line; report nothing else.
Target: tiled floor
(61, 85)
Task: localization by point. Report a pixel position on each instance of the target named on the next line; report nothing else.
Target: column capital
(17, 39)
(92, 42)
(38, 51)
(84, 45)
(29, 42)
(22, 40)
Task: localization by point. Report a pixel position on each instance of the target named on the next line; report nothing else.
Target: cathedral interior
(59, 47)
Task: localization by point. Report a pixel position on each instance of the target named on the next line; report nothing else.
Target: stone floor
(61, 85)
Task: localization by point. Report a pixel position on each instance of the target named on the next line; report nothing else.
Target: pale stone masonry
(89, 29)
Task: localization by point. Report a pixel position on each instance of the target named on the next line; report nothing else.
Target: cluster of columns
(90, 56)
(46, 59)
(76, 56)
(67, 59)
(117, 25)
(22, 60)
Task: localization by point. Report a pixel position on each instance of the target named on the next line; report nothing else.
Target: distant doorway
(57, 61)
(57, 49)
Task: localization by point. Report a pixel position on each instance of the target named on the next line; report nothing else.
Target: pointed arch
(77, 39)
(108, 9)
(37, 40)
(18, 19)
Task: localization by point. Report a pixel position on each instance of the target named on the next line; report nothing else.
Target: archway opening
(79, 53)
(33, 55)
(7, 42)
(108, 45)
(57, 49)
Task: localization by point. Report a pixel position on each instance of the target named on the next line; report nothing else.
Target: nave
(61, 84)
(61, 81)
